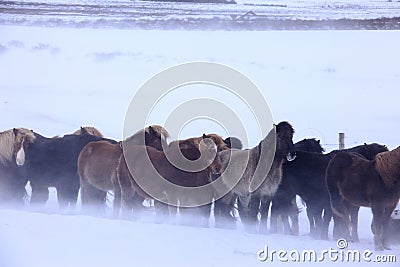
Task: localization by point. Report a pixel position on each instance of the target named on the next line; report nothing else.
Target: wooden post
(341, 141)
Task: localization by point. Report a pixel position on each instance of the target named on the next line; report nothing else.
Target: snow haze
(61, 71)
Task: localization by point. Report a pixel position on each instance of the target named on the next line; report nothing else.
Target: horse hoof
(325, 238)
(387, 247)
(379, 248)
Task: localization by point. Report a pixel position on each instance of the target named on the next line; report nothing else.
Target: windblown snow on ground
(53, 80)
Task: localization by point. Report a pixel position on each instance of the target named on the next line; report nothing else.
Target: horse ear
(365, 144)
(151, 130)
(228, 142)
(319, 141)
(204, 136)
(15, 131)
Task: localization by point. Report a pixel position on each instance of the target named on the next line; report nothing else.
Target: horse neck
(6, 147)
(388, 166)
(136, 139)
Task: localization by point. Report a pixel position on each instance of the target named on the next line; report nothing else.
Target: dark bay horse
(13, 145)
(52, 162)
(97, 164)
(306, 177)
(247, 161)
(146, 163)
(353, 180)
(281, 200)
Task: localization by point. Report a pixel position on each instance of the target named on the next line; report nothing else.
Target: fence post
(341, 141)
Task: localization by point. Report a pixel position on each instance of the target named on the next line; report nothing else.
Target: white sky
(323, 82)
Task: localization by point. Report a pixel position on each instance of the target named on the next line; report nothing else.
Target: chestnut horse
(199, 216)
(141, 168)
(353, 180)
(97, 164)
(13, 144)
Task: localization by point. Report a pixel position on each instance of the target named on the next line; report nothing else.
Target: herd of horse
(331, 184)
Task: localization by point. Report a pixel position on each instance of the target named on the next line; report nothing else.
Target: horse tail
(334, 175)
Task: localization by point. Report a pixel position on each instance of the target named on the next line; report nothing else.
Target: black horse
(306, 177)
(52, 162)
(282, 203)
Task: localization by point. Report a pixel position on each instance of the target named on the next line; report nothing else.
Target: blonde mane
(195, 142)
(387, 164)
(7, 139)
(138, 137)
(91, 130)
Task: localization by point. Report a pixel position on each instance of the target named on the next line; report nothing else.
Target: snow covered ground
(247, 14)
(54, 80)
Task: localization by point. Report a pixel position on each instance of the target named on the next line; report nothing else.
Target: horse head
(22, 139)
(155, 136)
(371, 150)
(284, 143)
(88, 130)
(233, 142)
(309, 145)
(215, 168)
(217, 140)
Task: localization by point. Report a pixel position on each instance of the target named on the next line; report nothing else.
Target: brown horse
(97, 164)
(199, 216)
(160, 167)
(88, 130)
(353, 180)
(13, 144)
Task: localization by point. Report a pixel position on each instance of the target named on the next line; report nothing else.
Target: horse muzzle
(215, 174)
(291, 156)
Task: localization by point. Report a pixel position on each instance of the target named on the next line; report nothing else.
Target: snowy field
(55, 79)
(246, 15)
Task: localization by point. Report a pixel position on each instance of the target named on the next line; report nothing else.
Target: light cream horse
(13, 145)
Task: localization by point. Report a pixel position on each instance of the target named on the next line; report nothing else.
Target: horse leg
(294, 216)
(117, 195)
(386, 232)
(40, 195)
(127, 194)
(378, 219)
(205, 212)
(275, 212)
(318, 221)
(162, 211)
(311, 221)
(326, 219)
(354, 223)
(117, 201)
(248, 209)
(340, 213)
(222, 212)
(264, 210)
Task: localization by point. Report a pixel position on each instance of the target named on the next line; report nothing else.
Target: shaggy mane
(91, 130)
(387, 164)
(136, 138)
(7, 143)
